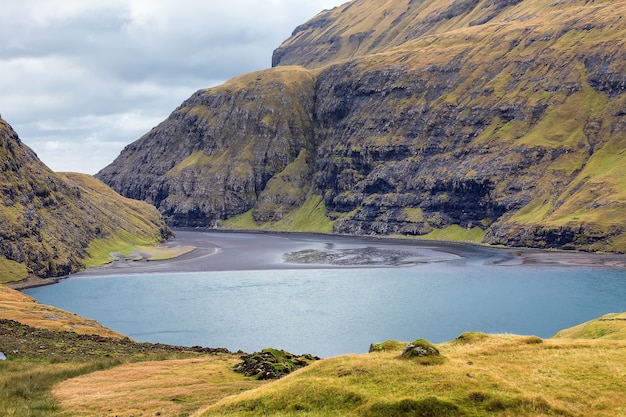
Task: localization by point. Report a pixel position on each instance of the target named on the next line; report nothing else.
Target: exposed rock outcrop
(272, 363)
(504, 120)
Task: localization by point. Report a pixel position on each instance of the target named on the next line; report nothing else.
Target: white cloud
(82, 79)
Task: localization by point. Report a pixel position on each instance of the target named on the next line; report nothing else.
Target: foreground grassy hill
(53, 224)
(499, 122)
(50, 372)
(481, 375)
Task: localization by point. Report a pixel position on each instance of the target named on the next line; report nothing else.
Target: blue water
(330, 312)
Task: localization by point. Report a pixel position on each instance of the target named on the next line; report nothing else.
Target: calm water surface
(330, 312)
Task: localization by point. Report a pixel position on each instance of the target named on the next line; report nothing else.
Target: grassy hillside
(53, 224)
(481, 375)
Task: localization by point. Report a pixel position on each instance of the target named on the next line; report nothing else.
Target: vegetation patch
(243, 221)
(25, 342)
(428, 407)
(387, 346)
(471, 337)
(423, 352)
(162, 252)
(272, 364)
(100, 251)
(196, 159)
(456, 233)
(26, 386)
(610, 326)
(11, 271)
(39, 359)
(311, 217)
(172, 387)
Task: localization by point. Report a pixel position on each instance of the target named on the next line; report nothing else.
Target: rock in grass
(388, 346)
(272, 363)
(424, 351)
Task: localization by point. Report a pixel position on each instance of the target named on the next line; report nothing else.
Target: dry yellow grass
(166, 388)
(26, 310)
(501, 375)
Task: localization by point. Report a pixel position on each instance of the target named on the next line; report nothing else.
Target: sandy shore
(224, 251)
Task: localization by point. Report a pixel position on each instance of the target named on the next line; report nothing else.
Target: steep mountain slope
(496, 121)
(51, 223)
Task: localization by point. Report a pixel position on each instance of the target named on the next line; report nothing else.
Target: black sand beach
(225, 251)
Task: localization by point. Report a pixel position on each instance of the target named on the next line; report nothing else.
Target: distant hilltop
(501, 122)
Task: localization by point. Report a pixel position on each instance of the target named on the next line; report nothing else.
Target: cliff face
(49, 220)
(504, 121)
(214, 156)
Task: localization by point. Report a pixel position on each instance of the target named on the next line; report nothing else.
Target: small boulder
(272, 363)
(424, 351)
(388, 346)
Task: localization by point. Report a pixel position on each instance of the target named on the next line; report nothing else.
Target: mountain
(501, 122)
(51, 224)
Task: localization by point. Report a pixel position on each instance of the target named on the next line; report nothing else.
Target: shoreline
(232, 250)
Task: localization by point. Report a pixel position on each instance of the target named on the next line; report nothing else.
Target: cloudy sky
(81, 79)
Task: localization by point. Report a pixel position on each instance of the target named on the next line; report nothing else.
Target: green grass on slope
(610, 326)
(100, 251)
(311, 217)
(456, 233)
(128, 223)
(490, 375)
(11, 271)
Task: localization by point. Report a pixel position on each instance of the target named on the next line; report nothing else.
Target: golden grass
(166, 388)
(610, 326)
(21, 308)
(501, 375)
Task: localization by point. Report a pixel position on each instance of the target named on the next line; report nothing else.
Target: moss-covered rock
(272, 363)
(423, 352)
(471, 337)
(387, 346)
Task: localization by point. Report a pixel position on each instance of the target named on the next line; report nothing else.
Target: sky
(81, 79)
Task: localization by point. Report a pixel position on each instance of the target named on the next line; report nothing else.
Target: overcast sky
(81, 79)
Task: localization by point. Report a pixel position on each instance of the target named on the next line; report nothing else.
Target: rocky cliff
(495, 121)
(50, 223)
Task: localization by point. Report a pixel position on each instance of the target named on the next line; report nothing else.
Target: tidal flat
(236, 251)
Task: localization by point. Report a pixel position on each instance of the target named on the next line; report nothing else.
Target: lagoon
(338, 304)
